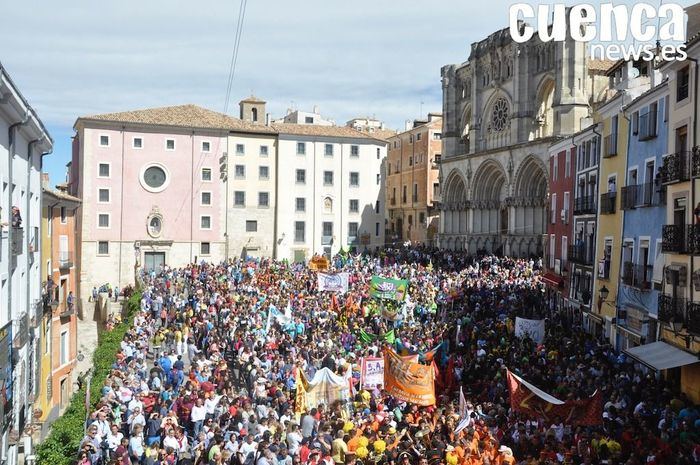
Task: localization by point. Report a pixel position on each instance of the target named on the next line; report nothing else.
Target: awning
(661, 356)
(552, 279)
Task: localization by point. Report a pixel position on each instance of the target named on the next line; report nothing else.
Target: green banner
(368, 338)
(386, 288)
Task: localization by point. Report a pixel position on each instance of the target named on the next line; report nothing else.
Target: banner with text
(532, 328)
(408, 381)
(387, 288)
(333, 282)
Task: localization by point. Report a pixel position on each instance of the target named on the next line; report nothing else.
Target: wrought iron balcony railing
(607, 203)
(579, 254)
(676, 167)
(638, 276)
(642, 195)
(672, 309)
(585, 205)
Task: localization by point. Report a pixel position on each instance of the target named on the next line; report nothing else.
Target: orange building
(412, 182)
(59, 273)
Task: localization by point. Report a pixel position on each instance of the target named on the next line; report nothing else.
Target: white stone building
(502, 108)
(331, 190)
(252, 185)
(23, 143)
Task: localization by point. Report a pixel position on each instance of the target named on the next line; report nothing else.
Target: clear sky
(377, 58)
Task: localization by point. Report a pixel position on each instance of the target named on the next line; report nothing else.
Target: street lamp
(604, 293)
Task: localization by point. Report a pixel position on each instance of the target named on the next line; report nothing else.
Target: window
(103, 248)
(552, 248)
(354, 150)
(437, 136)
(327, 229)
(154, 178)
(565, 207)
(554, 208)
(309, 120)
(417, 137)
(421, 218)
(239, 199)
(299, 231)
(635, 123)
(263, 150)
(137, 143)
(254, 114)
(376, 229)
(206, 146)
(410, 161)
(103, 195)
(104, 170)
(103, 220)
(64, 347)
(682, 80)
(404, 196)
(239, 172)
(264, 172)
(63, 215)
(666, 108)
(169, 144)
(300, 204)
(376, 207)
(251, 226)
(206, 198)
(328, 151)
(104, 141)
(354, 179)
(352, 231)
(415, 192)
(379, 178)
(555, 167)
(436, 189)
(204, 248)
(263, 199)
(205, 222)
(301, 148)
(379, 153)
(240, 149)
(328, 178)
(564, 249)
(410, 138)
(301, 176)
(354, 206)
(567, 164)
(206, 174)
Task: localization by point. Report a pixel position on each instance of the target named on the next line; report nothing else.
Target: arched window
(254, 112)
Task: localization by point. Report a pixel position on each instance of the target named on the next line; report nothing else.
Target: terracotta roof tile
(601, 65)
(323, 131)
(188, 116)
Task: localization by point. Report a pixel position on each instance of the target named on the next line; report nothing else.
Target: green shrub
(61, 445)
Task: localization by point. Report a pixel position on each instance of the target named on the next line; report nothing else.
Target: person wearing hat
(505, 456)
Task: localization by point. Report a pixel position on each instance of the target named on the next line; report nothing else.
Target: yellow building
(613, 161)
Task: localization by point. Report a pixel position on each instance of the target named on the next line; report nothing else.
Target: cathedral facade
(502, 109)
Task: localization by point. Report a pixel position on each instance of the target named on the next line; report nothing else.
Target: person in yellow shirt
(339, 448)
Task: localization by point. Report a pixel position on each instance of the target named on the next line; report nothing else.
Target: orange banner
(408, 381)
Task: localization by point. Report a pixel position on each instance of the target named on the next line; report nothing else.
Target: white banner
(372, 372)
(532, 328)
(333, 282)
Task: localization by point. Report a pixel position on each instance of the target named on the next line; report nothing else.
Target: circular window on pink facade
(154, 177)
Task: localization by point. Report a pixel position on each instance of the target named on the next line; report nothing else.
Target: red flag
(532, 401)
(334, 303)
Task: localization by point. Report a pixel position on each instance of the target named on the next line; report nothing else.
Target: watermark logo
(613, 31)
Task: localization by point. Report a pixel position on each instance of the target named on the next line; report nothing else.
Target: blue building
(644, 204)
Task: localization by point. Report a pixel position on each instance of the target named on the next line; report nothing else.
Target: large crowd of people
(206, 377)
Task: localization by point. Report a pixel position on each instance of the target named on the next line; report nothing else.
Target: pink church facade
(151, 192)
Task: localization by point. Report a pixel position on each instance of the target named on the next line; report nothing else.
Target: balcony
(579, 254)
(65, 260)
(637, 276)
(672, 309)
(680, 239)
(585, 205)
(642, 195)
(610, 146)
(676, 167)
(607, 203)
(647, 126)
(693, 318)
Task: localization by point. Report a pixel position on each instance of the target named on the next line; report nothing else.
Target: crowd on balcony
(205, 378)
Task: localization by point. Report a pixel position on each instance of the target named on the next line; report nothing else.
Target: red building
(562, 167)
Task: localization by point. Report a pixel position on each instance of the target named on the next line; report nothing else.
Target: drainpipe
(692, 177)
(121, 215)
(595, 195)
(276, 200)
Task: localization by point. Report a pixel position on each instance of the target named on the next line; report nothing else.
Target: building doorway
(153, 261)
